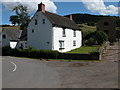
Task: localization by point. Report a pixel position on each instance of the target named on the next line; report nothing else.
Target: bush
(93, 38)
(100, 37)
(6, 51)
(90, 42)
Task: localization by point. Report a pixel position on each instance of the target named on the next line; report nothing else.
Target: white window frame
(61, 44)
(64, 33)
(74, 33)
(74, 42)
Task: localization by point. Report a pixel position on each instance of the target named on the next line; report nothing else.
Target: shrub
(6, 51)
(90, 41)
(100, 37)
(93, 38)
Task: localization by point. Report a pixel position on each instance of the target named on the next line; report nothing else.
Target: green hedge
(31, 53)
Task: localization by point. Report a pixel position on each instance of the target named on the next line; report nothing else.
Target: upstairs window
(63, 33)
(4, 36)
(43, 21)
(74, 33)
(74, 43)
(32, 30)
(106, 23)
(35, 21)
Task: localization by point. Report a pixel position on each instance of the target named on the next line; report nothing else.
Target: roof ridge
(58, 15)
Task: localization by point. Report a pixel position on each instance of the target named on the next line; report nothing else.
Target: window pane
(74, 33)
(35, 22)
(74, 43)
(43, 21)
(3, 36)
(63, 33)
(61, 43)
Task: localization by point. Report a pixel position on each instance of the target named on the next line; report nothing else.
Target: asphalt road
(27, 73)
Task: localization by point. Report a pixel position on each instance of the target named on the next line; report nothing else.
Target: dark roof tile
(13, 34)
(61, 21)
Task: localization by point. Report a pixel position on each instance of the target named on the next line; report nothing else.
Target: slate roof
(13, 34)
(61, 21)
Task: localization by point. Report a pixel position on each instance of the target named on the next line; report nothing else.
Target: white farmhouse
(53, 32)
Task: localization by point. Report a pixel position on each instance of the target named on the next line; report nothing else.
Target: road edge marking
(15, 66)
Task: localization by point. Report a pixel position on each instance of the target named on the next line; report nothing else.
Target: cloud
(32, 5)
(100, 7)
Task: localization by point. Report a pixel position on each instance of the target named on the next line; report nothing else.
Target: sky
(62, 8)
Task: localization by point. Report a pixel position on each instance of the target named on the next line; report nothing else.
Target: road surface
(28, 73)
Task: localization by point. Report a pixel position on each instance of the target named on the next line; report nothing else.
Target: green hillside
(87, 28)
(80, 18)
(10, 27)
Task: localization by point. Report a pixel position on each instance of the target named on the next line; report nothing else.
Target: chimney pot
(41, 7)
(71, 17)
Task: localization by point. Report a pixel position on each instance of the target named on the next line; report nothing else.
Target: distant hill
(91, 19)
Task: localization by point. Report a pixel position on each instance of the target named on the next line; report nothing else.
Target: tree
(100, 37)
(22, 17)
(96, 37)
(14, 19)
(118, 33)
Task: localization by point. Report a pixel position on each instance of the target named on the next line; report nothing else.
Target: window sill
(61, 48)
(63, 36)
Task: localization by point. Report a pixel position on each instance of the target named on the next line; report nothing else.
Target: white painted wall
(68, 40)
(42, 33)
(6, 41)
(13, 44)
(47, 37)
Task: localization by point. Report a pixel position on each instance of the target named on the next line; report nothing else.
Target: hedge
(31, 53)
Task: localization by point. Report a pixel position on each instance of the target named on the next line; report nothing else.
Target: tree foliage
(96, 37)
(118, 33)
(21, 18)
(100, 37)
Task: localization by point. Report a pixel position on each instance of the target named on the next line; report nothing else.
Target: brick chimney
(71, 17)
(41, 7)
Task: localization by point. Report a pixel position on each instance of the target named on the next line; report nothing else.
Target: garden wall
(74, 56)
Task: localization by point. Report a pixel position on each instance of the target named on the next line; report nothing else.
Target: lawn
(85, 49)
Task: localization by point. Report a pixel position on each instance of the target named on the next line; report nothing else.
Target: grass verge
(85, 49)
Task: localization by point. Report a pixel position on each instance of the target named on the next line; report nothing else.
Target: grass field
(88, 28)
(85, 49)
(10, 27)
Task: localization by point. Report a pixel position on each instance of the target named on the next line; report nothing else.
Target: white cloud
(99, 6)
(32, 5)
